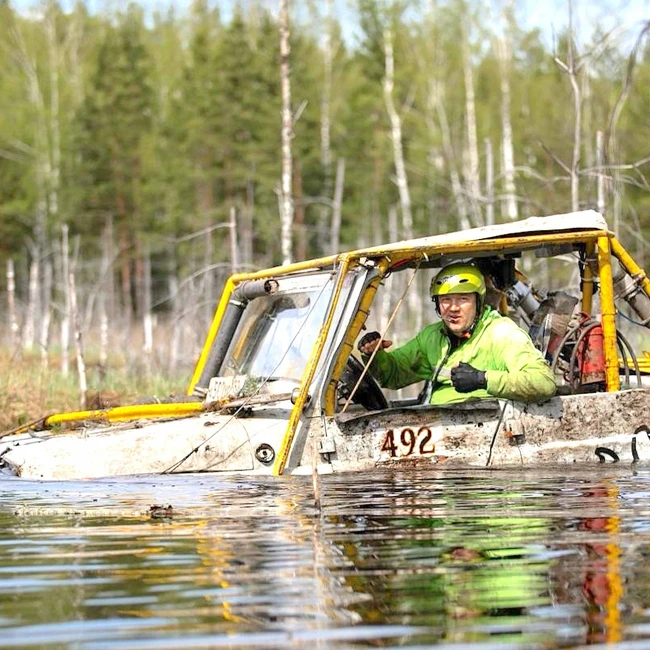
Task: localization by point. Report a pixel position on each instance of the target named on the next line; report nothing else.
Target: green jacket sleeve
(526, 376)
(403, 366)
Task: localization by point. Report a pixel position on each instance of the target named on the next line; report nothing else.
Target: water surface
(474, 559)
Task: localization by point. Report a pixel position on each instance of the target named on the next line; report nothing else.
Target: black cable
(635, 361)
(626, 368)
(494, 435)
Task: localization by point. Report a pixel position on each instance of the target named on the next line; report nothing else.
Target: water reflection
(477, 559)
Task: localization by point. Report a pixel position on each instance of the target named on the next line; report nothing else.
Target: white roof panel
(583, 220)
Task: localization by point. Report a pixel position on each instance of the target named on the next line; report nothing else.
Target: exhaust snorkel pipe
(239, 298)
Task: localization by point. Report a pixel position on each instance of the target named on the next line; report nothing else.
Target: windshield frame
(276, 333)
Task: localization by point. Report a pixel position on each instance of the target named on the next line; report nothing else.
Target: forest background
(141, 159)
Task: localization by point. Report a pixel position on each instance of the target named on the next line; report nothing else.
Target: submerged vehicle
(279, 388)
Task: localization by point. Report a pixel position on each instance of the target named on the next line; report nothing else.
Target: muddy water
(471, 560)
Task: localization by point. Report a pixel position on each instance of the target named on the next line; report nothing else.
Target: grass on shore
(29, 391)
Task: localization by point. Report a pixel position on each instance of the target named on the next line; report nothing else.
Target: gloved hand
(466, 378)
(368, 342)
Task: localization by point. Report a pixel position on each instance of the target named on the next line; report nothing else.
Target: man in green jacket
(472, 352)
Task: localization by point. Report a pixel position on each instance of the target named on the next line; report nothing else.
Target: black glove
(368, 338)
(466, 378)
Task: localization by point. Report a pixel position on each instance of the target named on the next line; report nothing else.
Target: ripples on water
(474, 559)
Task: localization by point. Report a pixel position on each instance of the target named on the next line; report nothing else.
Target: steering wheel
(368, 393)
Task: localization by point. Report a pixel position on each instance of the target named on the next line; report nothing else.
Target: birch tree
(396, 139)
(286, 191)
(504, 55)
(325, 113)
(572, 67)
(471, 160)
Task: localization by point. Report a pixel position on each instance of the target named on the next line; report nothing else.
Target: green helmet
(458, 278)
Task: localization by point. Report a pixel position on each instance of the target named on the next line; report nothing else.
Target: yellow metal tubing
(123, 413)
(212, 332)
(294, 419)
(231, 283)
(588, 279)
(500, 244)
(329, 401)
(630, 265)
(608, 315)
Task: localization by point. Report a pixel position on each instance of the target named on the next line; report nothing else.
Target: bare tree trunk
(286, 195)
(472, 177)
(14, 327)
(65, 319)
(125, 272)
(29, 327)
(208, 279)
(390, 286)
(577, 135)
(28, 67)
(103, 339)
(588, 118)
(504, 54)
(234, 252)
(147, 319)
(247, 227)
(400, 166)
(396, 138)
(176, 311)
(55, 110)
(572, 67)
(336, 210)
(489, 183)
(299, 214)
(108, 257)
(611, 147)
(436, 103)
(46, 316)
(81, 365)
(325, 125)
(74, 43)
(600, 201)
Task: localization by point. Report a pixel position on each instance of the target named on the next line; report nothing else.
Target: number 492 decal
(404, 442)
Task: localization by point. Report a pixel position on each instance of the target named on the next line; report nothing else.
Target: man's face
(458, 311)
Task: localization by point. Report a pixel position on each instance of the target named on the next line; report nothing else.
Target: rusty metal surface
(564, 430)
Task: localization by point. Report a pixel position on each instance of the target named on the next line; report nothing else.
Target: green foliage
(164, 123)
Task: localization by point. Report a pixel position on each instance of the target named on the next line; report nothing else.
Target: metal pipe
(608, 315)
(588, 280)
(212, 333)
(630, 265)
(329, 400)
(232, 313)
(123, 413)
(303, 394)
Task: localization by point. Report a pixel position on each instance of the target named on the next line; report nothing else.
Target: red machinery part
(591, 355)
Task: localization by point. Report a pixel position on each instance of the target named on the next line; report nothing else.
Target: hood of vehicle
(208, 442)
